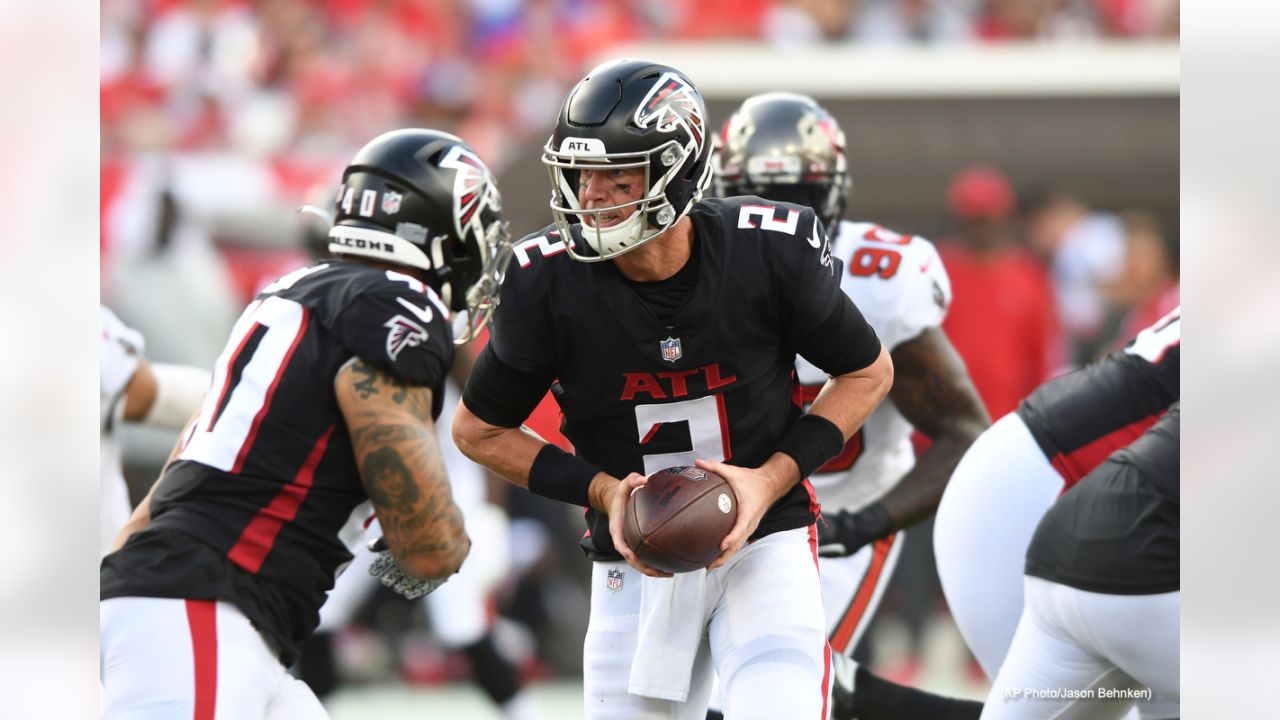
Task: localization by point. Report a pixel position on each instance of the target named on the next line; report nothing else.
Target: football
(676, 522)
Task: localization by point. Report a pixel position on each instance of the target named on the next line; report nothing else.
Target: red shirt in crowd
(1002, 322)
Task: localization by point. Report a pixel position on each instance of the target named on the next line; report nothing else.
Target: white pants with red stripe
(165, 659)
(1074, 649)
(852, 587)
(764, 636)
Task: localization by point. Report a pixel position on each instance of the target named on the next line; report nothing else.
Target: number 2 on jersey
(767, 220)
(708, 430)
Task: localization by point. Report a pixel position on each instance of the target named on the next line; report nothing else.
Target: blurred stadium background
(221, 117)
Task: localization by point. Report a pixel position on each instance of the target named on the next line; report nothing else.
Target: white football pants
(763, 633)
(1079, 654)
(991, 507)
(167, 659)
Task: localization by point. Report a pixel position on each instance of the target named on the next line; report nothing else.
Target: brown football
(675, 522)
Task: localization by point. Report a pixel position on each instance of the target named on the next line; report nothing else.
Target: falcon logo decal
(672, 103)
(402, 333)
(473, 188)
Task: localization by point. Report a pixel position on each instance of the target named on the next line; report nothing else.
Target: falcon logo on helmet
(471, 187)
(670, 104)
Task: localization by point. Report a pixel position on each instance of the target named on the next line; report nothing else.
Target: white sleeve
(926, 293)
(121, 349)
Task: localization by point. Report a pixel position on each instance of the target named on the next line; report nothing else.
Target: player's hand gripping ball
(676, 521)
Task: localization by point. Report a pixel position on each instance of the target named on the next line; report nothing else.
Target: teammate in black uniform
(672, 326)
(1102, 590)
(1016, 469)
(1082, 417)
(324, 397)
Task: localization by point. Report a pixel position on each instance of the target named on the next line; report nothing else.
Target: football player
(784, 146)
(1013, 473)
(672, 325)
(1102, 593)
(134, 390)
(325, 396)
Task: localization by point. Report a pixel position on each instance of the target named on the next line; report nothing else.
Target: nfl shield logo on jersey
(670, 349)
(391, 202)
(614, 581)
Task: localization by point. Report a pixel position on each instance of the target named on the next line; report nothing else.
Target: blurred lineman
(1013, 473)
(783, 146)
(135, 390)
(673, 327)
(1102, 589)
(324, 397)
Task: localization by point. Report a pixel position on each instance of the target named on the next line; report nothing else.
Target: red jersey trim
(259, 536)
(1080, 462)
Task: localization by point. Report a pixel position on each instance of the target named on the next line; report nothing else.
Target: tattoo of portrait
(389, 482)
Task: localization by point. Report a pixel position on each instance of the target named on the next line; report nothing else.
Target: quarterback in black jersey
(324, 397)
(671, 325)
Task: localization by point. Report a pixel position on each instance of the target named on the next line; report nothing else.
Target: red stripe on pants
(826, 646)
(848, 624)
(202, 617)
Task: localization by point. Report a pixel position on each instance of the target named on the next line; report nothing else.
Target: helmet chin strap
(613, 238)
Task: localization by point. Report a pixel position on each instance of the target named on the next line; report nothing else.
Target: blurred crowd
(317, 77)
(217, 113)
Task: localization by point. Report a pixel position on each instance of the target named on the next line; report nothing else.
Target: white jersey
(901, 287)
(120, 351)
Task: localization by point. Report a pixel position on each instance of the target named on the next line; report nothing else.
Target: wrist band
(560, 476)
(812, 442)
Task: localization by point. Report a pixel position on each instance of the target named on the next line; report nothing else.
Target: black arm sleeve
(843, 343)
(500, 394)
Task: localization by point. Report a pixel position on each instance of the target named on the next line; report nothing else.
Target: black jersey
(1082, 417)
(638, 394)
(1117, 532)
(250, 510)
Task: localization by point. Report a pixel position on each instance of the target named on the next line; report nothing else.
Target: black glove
(844, 533)
(384, 568)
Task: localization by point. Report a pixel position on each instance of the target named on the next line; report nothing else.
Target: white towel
(671, 626)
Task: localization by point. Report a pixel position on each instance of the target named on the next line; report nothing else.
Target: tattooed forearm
(394, 440)
(934, 393)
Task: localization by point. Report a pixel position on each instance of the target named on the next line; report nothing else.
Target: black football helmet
(629, 114)
(785, 147)
(424, 199)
